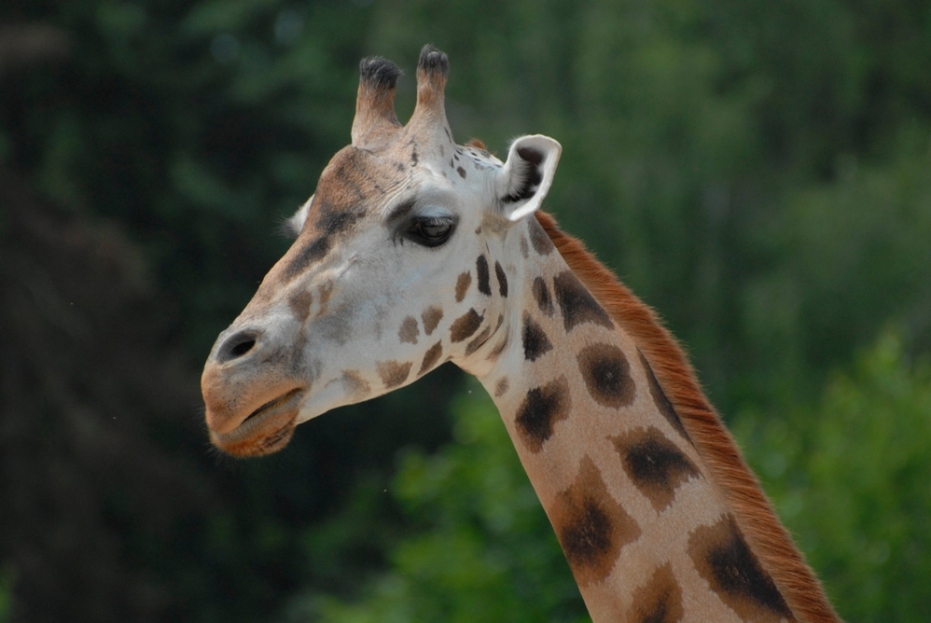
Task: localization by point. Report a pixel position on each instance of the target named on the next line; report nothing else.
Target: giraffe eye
(430, 231)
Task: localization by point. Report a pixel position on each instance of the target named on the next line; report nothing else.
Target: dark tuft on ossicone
(433, 61)
(379, 72)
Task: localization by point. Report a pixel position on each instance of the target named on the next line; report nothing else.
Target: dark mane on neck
(752, 510)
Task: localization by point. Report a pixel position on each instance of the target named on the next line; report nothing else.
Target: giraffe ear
(292, 226)
(527, 175)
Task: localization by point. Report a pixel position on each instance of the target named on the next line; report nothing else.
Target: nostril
(242, 348)
(236, 346)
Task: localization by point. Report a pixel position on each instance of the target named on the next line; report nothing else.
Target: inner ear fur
(527, 175)
(293, 225)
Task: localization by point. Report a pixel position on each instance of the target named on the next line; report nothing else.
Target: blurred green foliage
(759, 172)
(850, 477)
(484, 550)
(5, 599)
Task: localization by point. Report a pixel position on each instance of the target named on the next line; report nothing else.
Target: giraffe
(414, 251)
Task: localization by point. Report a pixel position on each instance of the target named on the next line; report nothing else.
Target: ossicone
(432, 73)
(375, 119)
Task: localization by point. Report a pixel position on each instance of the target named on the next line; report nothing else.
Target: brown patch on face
(659, 600)
(345, 189)
(541, 409)
(431, 357)
(431, 317)
(325, 291)
(577, 304)
(461, 172)
(502, 280)
(524, 250)
(300, 304)
(536, 344)
(654, 464)
(393, 373)
(606, 374)
(592, 527)
(355, 384)
(541, 294)
(475, 344)
(724, 560)
(465, 325)
(481, 272)
(462, 285)
(409, 331)
(502, 387)
(663, 405)
(538, 238)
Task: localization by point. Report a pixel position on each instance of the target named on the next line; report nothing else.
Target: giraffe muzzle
(267, 429)
(252, 400)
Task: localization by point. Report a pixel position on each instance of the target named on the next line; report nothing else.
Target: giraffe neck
(648, 533)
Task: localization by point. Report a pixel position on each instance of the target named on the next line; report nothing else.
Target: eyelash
(429, 231)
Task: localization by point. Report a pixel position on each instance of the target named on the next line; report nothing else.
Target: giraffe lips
(272, 405)
(267, 429)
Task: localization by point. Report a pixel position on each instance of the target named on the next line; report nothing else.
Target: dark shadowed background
(759, 172)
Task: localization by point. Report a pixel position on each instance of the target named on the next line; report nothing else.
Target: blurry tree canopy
(849, 475)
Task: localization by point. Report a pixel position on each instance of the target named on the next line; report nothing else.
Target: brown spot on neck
(462, 285)
(541, 409)
(655, 465)
(464, 326)
(541, 293)
(661, 401)
(430, 358)
(431, 317)
(592, 527)
(577, 304)
(538, 238)
(536, 344)
(409, 331)
(659, 600)
(501, 387)
(355, 385)
(393, 373)
(524, 250)
(606, 374)
(481, 272)
(502, 280)
(724, 560)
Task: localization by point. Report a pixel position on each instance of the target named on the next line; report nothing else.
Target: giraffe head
(401, 262)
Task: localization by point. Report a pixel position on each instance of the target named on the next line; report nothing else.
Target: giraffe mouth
(267, 429)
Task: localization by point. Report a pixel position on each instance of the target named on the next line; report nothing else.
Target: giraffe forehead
(355, 188)
(356, 180)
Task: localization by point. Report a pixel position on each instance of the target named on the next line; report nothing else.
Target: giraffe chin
(265, 431)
